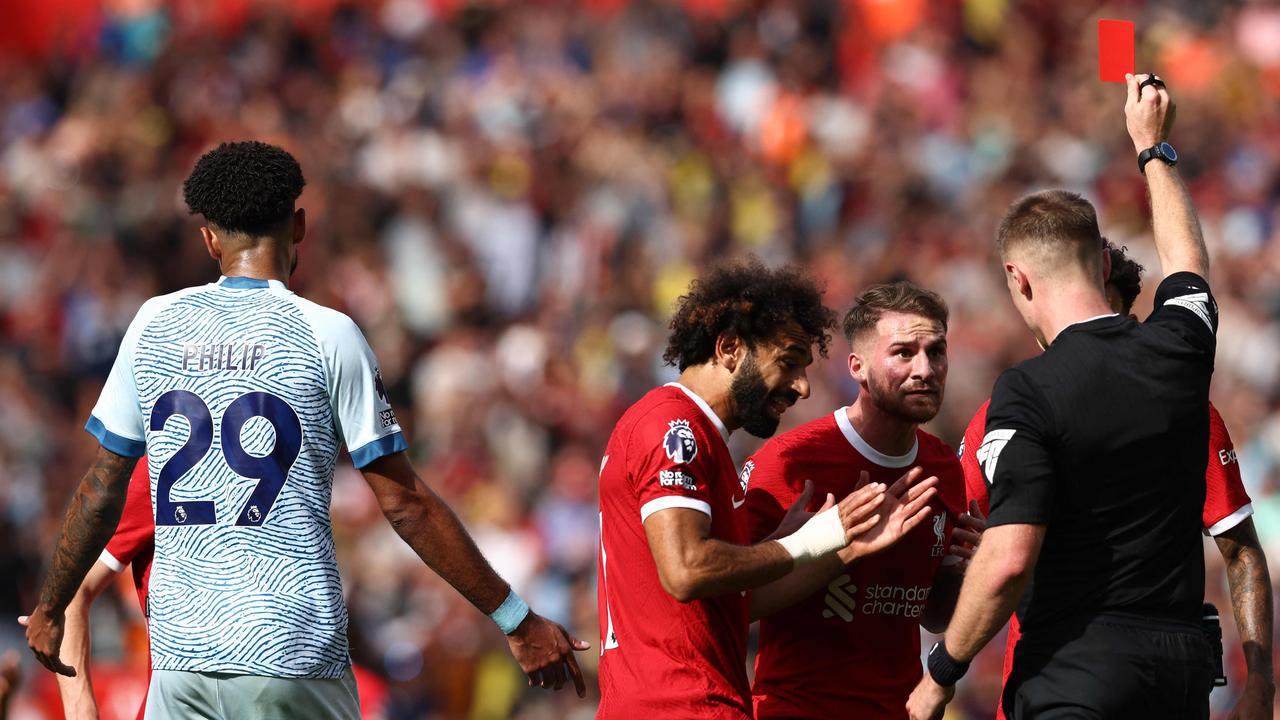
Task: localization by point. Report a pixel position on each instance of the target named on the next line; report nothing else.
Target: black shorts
(1111, 667)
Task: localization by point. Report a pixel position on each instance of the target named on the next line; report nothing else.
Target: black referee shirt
(1103, 439)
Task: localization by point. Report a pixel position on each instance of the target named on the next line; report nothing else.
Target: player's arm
(90, 520)
(1251, 601)
(1149, 114)
(78, 702)
(693, 565)
(905, 505)
(542, 647)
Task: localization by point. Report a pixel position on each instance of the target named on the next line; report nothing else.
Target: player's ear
(211, 243)
(857, 365)
(299, 225)
(730, 350)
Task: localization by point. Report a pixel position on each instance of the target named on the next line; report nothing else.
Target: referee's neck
(1056, 312)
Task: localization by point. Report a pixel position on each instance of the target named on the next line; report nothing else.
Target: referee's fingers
(967, 537)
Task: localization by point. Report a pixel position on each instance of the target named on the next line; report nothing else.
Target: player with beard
(674, 564)
(850, 646)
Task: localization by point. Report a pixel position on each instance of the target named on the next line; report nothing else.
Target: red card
(1115, 49)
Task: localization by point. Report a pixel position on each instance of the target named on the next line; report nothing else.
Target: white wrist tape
(823, 533)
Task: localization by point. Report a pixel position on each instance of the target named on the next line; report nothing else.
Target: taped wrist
(823, 533)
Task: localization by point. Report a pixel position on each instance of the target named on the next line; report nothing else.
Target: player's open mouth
(779, 406)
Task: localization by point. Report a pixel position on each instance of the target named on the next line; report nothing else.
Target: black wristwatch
(1160, 151)
(944, 669)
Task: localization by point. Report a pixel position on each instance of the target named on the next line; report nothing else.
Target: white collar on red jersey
(865, 450)
(706, 409)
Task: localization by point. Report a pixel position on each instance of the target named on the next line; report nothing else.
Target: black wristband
(944, 669)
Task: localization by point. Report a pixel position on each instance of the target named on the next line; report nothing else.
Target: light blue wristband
(510, 613)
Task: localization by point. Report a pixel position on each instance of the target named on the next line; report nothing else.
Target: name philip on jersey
(222, 356)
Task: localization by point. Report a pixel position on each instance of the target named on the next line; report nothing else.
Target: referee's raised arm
(1149, 114)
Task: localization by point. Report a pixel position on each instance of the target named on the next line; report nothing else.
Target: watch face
(1167, 151)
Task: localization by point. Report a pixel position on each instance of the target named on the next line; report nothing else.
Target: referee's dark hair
(244, 187)
(902, 296)
(1052, 227)
(1125, 277)
(750, 300)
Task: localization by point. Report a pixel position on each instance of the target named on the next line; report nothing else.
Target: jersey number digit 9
(270, 470)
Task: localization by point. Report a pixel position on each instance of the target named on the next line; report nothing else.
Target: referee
(1094, 455)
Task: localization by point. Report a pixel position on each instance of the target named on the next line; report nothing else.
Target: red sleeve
(975, 485)
(669, 462)
(1226, 503)
(137, 529)
(768, 493)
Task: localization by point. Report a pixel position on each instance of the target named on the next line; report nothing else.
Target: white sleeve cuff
(673, 501)
(110, 561)
(1230, 521)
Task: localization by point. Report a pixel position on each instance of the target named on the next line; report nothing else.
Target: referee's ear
(1019, 283)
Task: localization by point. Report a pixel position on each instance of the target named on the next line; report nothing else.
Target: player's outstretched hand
(1148, 112)
(966, 536)
(796, 515)
(905, 504)
(858, 510)
(545, 650)
(44, 637)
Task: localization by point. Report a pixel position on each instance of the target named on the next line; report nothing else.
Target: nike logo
(737, 503)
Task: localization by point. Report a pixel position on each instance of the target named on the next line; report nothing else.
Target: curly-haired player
(241, 394)
(673, 565)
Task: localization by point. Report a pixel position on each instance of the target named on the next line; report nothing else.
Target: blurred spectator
(507, 197)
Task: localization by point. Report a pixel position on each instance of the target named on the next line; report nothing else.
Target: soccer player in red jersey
(674, 561)
(1227, 512)
(851, 646)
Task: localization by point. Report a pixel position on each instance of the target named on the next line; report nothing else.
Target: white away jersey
(240, 393)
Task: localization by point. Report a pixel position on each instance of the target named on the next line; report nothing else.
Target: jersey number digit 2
(270, 470)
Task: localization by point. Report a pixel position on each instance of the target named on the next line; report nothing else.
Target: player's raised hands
(903, 506)
(545, 650)
(796, 515)
(1148, 111)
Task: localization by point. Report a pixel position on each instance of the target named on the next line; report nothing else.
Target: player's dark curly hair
(1126, 275)
(244, 187)
(750, 300)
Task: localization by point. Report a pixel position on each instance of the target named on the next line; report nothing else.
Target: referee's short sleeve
(1015, 452)
(1184, 305)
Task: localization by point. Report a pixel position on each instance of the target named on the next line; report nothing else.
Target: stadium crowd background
(508, 197)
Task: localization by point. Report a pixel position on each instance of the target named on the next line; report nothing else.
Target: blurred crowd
(508, 197)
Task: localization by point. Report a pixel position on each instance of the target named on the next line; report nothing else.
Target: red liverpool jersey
(135, 536)
(661, 658)
(1226, 503)
(853, 649)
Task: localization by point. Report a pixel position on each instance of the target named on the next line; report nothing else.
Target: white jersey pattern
(241, 392)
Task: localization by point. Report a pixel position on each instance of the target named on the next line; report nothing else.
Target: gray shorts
(177, 695)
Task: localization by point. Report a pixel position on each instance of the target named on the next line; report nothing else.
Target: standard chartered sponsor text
(843, 600)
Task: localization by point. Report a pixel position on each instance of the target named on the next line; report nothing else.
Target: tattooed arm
(90, 521)
(1251, 599)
